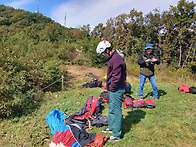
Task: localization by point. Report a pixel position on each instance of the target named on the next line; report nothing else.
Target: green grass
(171, 123)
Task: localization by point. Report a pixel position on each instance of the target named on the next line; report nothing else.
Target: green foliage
(132, 66)
(29, 58)
(98, 61)
(192, 67)
(20, 75)
(78, 61)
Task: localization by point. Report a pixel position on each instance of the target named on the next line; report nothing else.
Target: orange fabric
(99, 141)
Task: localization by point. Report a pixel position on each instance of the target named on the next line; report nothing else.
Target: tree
(109, 30)
(152, 26)
(121, 32)
(98, 31)
(179, 24)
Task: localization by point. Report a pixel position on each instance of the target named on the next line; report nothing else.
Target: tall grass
(163, 74)
(171, 123)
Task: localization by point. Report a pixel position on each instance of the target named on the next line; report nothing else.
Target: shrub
(20, 76)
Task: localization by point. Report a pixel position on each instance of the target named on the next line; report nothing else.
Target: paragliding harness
(129, 101)
(184, 88)
(192, 90)
(187, 89)
(89, 112)
(93, 83)
(128, 87)
(104, 97)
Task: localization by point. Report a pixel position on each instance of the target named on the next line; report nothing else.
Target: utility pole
(65, 20)
(37, 7)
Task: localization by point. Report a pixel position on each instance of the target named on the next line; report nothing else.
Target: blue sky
(83, 12)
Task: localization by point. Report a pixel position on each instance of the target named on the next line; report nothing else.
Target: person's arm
(116, 76)
(140, 60)
(155, 60)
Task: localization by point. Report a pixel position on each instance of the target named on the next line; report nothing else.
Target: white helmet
(102, 46)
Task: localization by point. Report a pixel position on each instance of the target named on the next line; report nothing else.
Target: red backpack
(184, 88)
(90, 110)
(92, 107)
(133, 103)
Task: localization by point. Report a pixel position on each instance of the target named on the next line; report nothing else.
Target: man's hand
(148, 60)
(153, 60)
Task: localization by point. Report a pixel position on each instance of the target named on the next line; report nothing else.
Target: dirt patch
(79, 75)
(83, 74)
(80, 71)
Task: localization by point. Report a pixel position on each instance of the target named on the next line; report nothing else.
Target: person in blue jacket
(147, 60)
(115, 83)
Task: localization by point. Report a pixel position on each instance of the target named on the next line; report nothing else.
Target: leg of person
(141, 86)
(154, 87)
(115, 113)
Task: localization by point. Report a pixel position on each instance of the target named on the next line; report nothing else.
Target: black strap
(91, 98)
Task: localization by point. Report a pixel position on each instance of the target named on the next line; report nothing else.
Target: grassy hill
(171, 123)
(34, 50)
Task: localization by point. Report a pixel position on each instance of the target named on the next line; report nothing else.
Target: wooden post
(63, 82)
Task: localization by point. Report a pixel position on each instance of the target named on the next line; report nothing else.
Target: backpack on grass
(100, 121)
(89, 111)
(128, 87)
(130, 102)
(184, 88)
(93, 83)
(192, 90)
(104, 97)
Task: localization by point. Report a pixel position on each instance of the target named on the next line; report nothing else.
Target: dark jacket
(147, 69)
(116, 72)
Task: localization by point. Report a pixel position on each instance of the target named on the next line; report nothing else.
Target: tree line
(172, 32)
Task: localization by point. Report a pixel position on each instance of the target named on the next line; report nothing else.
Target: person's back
(115, 83)
(116, 72)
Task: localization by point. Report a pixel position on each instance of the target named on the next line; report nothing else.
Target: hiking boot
(112, 138)
(107, 131)
(141, 98)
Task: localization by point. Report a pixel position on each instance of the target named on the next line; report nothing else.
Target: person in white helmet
(115, 83)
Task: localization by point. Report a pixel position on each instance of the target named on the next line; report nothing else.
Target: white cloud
(93, 12)
(20, 3)
(85, 12)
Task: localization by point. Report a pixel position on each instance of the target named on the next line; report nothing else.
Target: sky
(83, 12)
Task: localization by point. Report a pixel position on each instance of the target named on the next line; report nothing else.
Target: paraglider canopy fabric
(55, 120)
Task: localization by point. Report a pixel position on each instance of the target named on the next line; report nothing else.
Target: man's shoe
(112, 138)
(156, 99)
(141, 98)
(107, 131)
